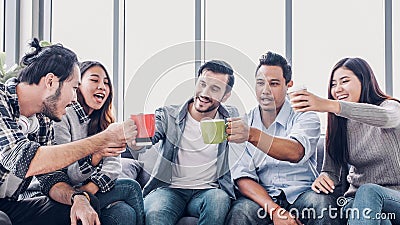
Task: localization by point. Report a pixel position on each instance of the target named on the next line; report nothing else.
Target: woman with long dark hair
(120, 200)
(363, 134)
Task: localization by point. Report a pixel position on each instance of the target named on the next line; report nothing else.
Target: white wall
(396, 48)
(326, 31)
(86, 27)
(2, 25)
(159, 62)
(248, 31)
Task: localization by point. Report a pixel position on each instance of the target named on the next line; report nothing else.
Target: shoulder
(168, 110)
(232, 110)
(390, 103)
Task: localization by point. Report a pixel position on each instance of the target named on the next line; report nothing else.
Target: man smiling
(191, 177)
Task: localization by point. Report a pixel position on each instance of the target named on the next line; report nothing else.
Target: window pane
(2, 25)
(336, 30)
(396, 48)
(157, 71)
(86, 27)
(251, 29)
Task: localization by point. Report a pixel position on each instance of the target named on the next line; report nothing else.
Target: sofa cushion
(131, 168)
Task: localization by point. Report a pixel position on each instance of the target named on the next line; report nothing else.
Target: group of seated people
(57, 127)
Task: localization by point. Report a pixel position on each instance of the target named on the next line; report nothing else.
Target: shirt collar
(284, 114)
(282, 117)
(83, 117)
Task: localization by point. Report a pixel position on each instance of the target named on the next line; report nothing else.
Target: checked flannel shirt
(16, 149)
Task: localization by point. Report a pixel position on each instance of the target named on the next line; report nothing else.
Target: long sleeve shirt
(74, 126)
(374, 145)
(276, 175)
(17, 149)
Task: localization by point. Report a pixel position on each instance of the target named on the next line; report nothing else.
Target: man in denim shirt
(279, 177)
(191, 177)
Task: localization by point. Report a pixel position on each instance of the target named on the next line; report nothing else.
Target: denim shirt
(170, 124)
(276, 175)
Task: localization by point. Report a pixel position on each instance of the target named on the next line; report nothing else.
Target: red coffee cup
(145, 124)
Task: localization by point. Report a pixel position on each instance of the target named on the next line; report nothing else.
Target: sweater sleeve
(386, 115)
(330, 168)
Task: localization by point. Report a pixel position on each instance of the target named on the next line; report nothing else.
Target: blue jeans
(123, 204)
(245, 211)
(165, 206)
(374, 204)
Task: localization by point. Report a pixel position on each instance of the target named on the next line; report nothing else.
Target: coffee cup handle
(225, 134)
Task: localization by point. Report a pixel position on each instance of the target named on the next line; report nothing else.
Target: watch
(77, 192)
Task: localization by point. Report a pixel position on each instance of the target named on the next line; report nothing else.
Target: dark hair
(40, 61)
(336, 133)
(99, 119)
(274, 59)
(219, 66)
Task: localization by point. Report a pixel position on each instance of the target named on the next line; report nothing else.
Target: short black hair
(219, 66)
(274, 59)
(40, 61)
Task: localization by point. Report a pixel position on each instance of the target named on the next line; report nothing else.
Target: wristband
(84, 193)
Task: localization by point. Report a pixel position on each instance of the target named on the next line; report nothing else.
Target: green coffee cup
(213, 131)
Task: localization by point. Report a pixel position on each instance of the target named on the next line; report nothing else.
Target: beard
(215, 105)
(49, 107)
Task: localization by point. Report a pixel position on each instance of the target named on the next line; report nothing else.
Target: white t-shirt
(196, 164)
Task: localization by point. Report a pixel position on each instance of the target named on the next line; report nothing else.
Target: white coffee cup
(295, 89)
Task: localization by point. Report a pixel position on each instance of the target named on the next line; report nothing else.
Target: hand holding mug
(304, 101)
(145, 124)
(237, 130)
(118, 134)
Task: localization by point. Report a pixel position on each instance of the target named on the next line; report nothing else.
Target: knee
(368, 190)
(245, 211)
(218, 198)
(318, 201)
(244, 208)
(218, 195)
(121, 214)
(129, 183)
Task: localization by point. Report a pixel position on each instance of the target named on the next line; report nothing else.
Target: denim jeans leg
(119, 214)
(374, 203)
(165, 206)
(244, 211)
(316, 209)
(126, 192)
(211, 206)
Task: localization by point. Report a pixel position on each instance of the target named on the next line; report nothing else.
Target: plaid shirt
(104, 174)
(16, 149)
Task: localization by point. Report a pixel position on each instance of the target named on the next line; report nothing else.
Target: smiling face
(94, 88)
(210, 91)
(55, 104)
(271, 88)
(345, 85)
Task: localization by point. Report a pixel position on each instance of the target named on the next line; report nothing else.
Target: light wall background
(396, 49)
(87, 29)
(2, 25)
